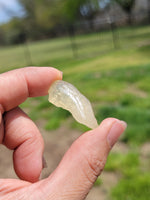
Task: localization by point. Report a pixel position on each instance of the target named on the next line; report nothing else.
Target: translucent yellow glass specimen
(65, 95)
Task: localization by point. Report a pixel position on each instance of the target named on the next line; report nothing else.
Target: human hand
(81, 164)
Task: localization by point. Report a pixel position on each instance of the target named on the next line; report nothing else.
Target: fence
(85, 40)
(82, 37)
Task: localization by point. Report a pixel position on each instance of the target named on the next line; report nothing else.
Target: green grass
(55, 118)
(127, 164)
(138, 119)
(134, 182)
(98, 182)
(132, 189)
(117, 83)
(58, 52)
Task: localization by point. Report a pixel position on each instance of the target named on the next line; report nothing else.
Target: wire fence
(88, 39)
(101, 37)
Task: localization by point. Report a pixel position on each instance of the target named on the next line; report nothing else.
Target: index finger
(17, 85)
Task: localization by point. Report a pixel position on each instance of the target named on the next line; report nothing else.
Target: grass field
(118, 85)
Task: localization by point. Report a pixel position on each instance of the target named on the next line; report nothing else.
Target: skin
(80, 166)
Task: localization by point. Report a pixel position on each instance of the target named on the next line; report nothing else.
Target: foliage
(42, 15)
(13, 32)
(71, 10)
(48, 18)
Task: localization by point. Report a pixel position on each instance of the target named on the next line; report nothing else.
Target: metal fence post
(71, 31)
(23, 40)
(27, 54)
(115, 35)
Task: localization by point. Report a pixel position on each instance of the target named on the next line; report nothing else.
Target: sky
(9, 8)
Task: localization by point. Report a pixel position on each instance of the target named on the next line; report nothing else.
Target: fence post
(115, 35)
(71, 31)
(27, 54)
(23, 40)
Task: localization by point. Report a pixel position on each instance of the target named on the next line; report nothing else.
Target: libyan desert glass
(66, 96)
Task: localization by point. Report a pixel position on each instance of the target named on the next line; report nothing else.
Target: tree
(46, 16)
(127, 6)
(76, 10)
(41, 16)
(13, 31)
(71, 10)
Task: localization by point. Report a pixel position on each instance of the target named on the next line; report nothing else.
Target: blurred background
(103, 48)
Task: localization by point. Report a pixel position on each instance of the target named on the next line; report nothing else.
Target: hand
(80, 166)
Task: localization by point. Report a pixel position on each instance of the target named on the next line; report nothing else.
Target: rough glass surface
(66, 96)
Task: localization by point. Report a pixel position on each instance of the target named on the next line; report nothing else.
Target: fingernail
(61, 74)
(44, 163)
(116, 130)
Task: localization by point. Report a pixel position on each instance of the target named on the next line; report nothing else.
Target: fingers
(20, 132)
(17, 85)
(24, 138)
(83, 162)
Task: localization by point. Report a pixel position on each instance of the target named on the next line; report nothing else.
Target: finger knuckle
(95, 166)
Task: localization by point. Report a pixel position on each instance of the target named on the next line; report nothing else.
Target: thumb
(83, 162)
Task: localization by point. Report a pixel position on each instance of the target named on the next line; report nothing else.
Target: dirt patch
(109, 179)
(120, 147)
(6, 166)
(137, 92)
(56, 144)
(145, 150)
(145, 156)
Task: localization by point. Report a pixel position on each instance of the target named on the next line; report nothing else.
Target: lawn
(116, 81)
